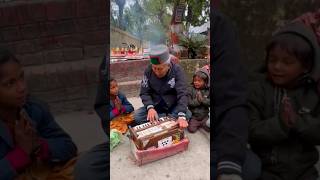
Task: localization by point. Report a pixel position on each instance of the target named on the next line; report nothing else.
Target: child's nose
(277, 65)
(21, 88)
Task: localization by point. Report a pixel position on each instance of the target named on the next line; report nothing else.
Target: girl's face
(13, 90)
(198, 82)
(114, 89)
(284, 68)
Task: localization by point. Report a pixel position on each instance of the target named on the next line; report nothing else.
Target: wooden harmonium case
(165, 132)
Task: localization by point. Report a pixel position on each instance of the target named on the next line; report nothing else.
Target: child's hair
(6, 56)
(203, 76)
(112, 79)
(295, 45)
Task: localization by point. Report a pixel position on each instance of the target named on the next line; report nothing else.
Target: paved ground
(84, 128)
(193, 164)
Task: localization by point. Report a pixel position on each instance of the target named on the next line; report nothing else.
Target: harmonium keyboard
(165, 132)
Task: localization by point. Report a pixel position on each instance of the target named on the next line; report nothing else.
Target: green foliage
(159, 11)
(115, 138)
(150, 19)
(194, 43)
(197, 12)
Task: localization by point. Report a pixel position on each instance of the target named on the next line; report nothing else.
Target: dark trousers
(196, 123)
(93, 164)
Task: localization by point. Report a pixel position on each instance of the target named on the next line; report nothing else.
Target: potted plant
(195, 43)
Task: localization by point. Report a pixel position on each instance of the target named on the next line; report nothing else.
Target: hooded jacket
(200, 109)
(287, 153)
(61, 147)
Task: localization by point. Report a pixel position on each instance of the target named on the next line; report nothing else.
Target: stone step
(130, 88)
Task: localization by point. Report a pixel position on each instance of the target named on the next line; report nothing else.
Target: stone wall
(129, 73)
(61, 44)
(117, 37)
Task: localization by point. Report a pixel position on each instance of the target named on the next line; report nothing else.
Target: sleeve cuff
(18, 158)
(150, 106)
(229, 167)
(182, 114)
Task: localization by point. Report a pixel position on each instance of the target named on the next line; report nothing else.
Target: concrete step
(130, 88)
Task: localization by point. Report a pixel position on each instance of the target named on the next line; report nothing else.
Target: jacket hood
(299, 29)
(206, 72)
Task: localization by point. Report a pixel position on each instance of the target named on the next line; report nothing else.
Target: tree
(113, 16)
(128, 21)
(120, 4)
(159, 11)
(150, 19)
(197, 12)
(139, 18)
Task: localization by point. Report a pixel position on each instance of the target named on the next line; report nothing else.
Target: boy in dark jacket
(199, 100)
(31, 142)
(163, 89)
(285, 107)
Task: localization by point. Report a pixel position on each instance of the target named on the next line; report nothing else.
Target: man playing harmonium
(163, 89)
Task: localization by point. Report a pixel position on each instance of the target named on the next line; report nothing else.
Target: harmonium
(153, 141)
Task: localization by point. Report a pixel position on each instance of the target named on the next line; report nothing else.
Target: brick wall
(61, 44)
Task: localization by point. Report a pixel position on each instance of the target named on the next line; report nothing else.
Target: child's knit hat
(206, 73)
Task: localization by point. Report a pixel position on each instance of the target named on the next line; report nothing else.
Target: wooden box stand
(152, 154)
